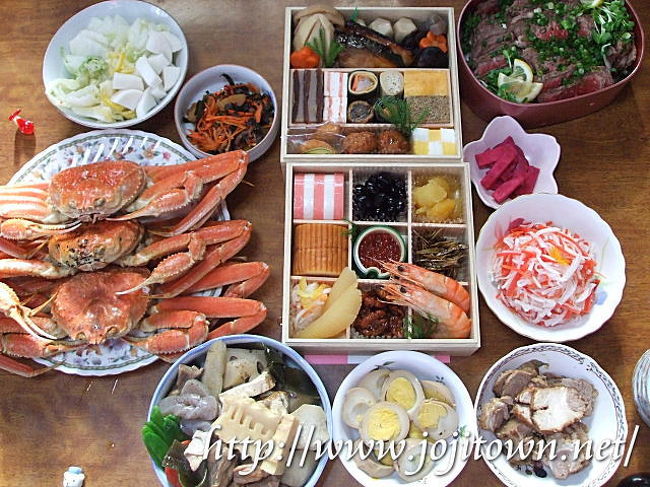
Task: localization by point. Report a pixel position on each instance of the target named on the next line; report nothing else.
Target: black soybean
(382, 197)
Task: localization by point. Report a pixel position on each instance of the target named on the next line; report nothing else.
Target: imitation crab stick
(545, 274)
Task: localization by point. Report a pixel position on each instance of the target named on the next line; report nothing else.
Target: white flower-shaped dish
(606, 424)
(567, 213)
(541, 150)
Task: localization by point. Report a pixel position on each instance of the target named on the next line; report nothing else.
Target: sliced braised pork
(570, 455)
(556, 408)
(495, 413)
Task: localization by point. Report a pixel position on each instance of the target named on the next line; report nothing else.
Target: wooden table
(57, 420)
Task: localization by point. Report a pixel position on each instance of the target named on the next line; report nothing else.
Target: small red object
(24, 126)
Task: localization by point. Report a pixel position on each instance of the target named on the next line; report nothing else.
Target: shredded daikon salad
(545, 274)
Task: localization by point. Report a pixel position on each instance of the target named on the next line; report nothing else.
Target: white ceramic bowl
(606, 423)
(130, 10)
(425, 367)
(565, 213)
(541, 150)
(197, 356)
(212, 80)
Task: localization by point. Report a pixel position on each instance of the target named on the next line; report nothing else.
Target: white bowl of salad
(115, 64)
(549, 267)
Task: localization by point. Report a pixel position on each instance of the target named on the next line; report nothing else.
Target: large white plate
(607, 423)
(115, 356)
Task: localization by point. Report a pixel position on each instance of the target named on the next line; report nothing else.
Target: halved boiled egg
(438, 391)
(438, 419)
(385, 421)
(403, 388)
(358, 401)
(415, 462)
(374, 381)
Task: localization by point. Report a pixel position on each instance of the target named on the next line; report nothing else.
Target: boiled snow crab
(121, 190)
(89, 308)
(101, 224)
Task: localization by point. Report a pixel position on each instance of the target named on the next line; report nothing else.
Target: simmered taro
(382, 197)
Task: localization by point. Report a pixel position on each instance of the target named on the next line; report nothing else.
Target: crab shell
(96, 191)
(88, 309)
(95, 245)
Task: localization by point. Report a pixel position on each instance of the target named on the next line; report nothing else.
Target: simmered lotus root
(437, 199)
(319, 249)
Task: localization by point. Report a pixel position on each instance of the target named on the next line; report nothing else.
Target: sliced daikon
(146, 103)
(157, 91)
(174, 42)
(170, 75)
(127, 98)
(158, 62)
(145, 70)
(158, 44)
(123, 81)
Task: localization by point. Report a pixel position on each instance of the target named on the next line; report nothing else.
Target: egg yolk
(430, 414)
(401, 391)
(383, 425)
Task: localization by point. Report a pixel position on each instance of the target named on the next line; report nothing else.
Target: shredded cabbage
(108, 45)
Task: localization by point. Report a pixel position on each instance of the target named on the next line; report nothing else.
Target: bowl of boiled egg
(115, 64)
(406, 417)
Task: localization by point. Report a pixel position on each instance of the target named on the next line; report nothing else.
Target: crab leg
(12, 249)
(247, 277)
(212, 307)
(214, 257)
(19, 229)
(215, 233)
(21, 369)
(174, 266)
(181, 331)
(206, 206)
(37, 268)
(156, 173)
(250, 313)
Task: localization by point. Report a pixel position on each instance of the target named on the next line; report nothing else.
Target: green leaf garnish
(327, 52)
(398, 112)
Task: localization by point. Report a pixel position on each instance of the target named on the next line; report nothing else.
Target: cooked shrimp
(438, 284)
(452, 320)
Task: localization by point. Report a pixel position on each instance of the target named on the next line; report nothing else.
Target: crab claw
(19, 229)
(11, 307)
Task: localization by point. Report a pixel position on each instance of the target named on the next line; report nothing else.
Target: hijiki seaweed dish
(542, 51)
(238, 116)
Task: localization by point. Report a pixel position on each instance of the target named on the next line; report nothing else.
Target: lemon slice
(522, 91)
(522, 70)
(592, 3)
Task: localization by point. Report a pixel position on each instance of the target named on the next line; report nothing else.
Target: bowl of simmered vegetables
(249, 395)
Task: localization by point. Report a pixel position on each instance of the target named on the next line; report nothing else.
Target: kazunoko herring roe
(545, 274)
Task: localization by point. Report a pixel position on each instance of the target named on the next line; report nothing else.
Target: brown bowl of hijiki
(232, 410)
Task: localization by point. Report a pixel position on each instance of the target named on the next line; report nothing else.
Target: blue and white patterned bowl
(607, 423)
(197, 355)
(641, 387)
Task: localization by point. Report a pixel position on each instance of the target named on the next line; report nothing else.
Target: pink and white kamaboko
(545, 274)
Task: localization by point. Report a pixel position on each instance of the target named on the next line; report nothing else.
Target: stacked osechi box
(363, 189)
